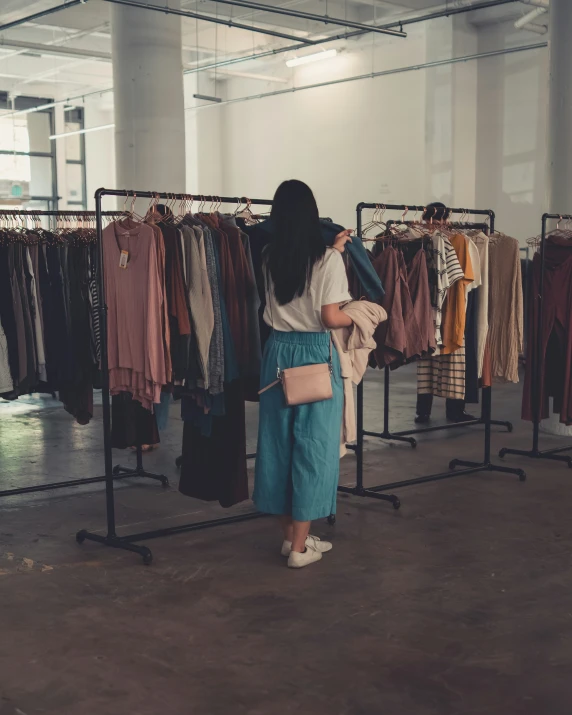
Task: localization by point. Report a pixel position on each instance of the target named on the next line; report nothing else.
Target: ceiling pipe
(537, 3)
(538, 29)
(43, 13)
(410, 18)
(207, 18)
(302, 15)
(251, 75)
(526, 22)
(454, 7)
(529, 17)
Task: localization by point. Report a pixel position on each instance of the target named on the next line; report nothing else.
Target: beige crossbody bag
(305, 384)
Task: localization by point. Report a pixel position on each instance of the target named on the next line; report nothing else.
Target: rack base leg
(520, 473)
(116, 543)
(129, 472)
(372, 494)
(392, 437)
(537, 454)
(509, 426)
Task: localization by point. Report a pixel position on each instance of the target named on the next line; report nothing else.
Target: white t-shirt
(303, 314)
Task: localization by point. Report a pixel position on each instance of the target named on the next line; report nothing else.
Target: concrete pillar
(148, 98)
(559, 179)
(559, 182)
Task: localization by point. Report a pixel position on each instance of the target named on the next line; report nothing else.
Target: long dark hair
(296, 242)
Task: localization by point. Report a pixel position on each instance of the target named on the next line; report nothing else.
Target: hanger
(377, 221)
(238, 206)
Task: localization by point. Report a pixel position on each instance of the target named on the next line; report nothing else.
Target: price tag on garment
(123, 259)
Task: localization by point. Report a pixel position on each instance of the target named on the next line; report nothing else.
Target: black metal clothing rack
(376, 492)
(111, 538)
(119, 472)
(536, 453)
(404, 435)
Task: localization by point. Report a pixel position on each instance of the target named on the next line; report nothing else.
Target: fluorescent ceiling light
(316, 57)
(82, 131)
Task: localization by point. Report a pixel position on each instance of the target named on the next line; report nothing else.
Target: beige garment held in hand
(354, 345)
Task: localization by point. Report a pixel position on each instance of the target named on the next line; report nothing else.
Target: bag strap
(272, 384)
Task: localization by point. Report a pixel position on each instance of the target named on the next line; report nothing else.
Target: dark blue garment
(195, 414)
(190, 411)
(370, 281)
(161, 410)
(231, 370)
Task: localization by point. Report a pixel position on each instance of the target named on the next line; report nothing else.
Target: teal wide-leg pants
(298, 453)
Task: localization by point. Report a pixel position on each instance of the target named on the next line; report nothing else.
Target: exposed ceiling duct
(527, 22)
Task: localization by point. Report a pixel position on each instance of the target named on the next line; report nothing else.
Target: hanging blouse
(135, 304)
(482, 243)
(453, 327)
(449, 271)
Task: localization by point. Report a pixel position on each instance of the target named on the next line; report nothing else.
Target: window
(27, 156)
(74, 147)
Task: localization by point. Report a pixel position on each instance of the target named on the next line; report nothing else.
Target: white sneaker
(313, 541)
(298, 560)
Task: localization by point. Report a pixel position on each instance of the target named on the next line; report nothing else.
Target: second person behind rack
(297, 465)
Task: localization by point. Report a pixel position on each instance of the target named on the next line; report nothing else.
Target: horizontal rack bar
(32, 213)
(182, 197)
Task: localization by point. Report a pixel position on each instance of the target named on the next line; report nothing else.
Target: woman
(297, 464)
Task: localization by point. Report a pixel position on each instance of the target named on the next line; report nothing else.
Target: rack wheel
(453, 464)
(331, 519)
(80, 537)
(509, 427)
(570, 463)
(413, 443)
(148, 558)
(179, 461)
(164, 482)
(396, 504)
(521, 475)
(116, 470)
(502, 453)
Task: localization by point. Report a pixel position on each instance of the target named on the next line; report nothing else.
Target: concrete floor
(458, 604)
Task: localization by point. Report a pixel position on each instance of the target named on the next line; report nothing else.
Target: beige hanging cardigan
(354, 344)
(505, 308)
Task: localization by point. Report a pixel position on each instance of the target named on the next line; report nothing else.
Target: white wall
(99, 151)
(512, 115)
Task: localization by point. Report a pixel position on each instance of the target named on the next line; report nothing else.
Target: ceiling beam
(42, 13)
(54, 50)
(61, 40)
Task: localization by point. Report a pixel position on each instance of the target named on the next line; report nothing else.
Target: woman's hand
(341, 240)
